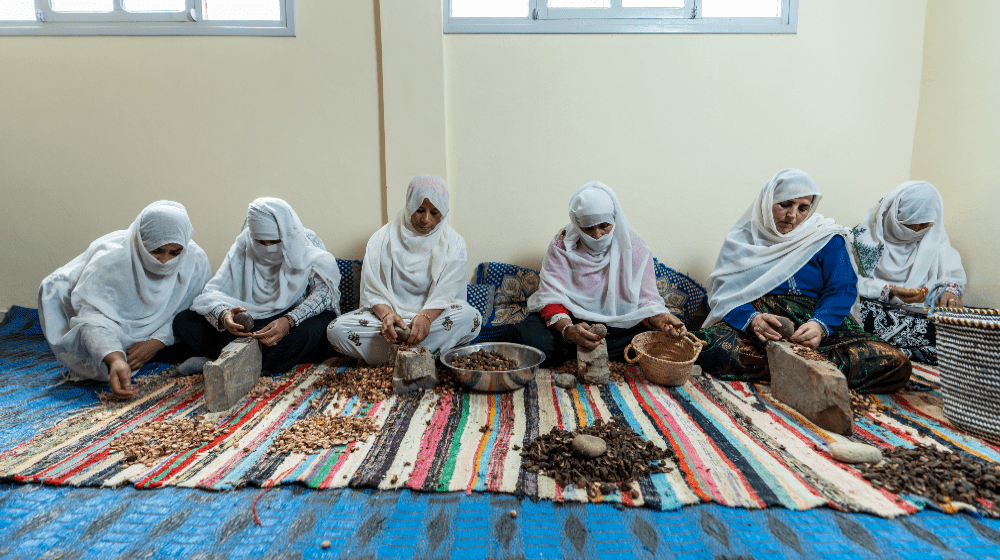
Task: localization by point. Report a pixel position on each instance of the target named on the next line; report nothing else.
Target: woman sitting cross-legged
(109, 311)
(597, 270)
(783, 259)
(903, 254)
(413, 277)
(281, 274)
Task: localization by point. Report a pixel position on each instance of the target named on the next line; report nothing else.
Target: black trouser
(304, 343)
(533, 332)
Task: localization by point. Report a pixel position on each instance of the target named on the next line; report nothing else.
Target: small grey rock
(851, 452)
(244, 318)
(402, 335)
(599, 329)
(588, 447)
(787, 328)
(565, 380)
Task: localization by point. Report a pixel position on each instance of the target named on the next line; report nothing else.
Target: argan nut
(513, 514)
(243, 318)
(324, 544)
(599, 329)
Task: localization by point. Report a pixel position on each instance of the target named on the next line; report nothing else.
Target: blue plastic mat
(69, 523)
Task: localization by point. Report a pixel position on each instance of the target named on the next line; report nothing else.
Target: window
(620, 16)
(147, 17)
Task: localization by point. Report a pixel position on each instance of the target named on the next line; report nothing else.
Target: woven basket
(968, 347)
(664, 360)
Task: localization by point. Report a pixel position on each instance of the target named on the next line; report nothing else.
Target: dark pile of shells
(627, 458)
(481, 360)
(939, 475)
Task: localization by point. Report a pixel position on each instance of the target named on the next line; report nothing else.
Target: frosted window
(17, 10)
(83, 5)
(579, 3)
(741, 8)
(254, 10)
(653, 3)
(154, 5)
(489, 8)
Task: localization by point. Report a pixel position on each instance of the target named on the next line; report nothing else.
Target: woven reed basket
(968, 347)
(664, 360)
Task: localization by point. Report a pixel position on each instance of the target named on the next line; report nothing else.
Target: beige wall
(957, 142)
(95, 128)
(685, 128)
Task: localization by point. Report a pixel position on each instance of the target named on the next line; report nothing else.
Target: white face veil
(608, 280)
(269, 280)
(887, 250)
(117, 285)
(755, 257)
(410, 271)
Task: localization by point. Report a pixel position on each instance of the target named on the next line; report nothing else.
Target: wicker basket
(968, 347)
(664, 360)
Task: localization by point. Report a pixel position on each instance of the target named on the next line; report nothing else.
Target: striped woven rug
(735, 444)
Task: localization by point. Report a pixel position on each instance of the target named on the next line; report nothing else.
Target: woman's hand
(232, 326)
(765, 326)
(580, 335)
(809, 334)
(390, 321)
(669, 324)
(420, 326)
(120, 376)
(949, 299)
(909, 295)
(141, 352)
(274, 331)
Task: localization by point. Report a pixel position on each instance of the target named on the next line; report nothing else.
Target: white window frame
(618, 19)
(190, 21)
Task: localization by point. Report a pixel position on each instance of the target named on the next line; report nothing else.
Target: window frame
(118, 22)
(539, 20)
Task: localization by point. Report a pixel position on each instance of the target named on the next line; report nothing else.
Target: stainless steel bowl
(528, 359)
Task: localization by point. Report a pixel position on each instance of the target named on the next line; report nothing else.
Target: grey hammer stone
(230, 377)
(817, 390)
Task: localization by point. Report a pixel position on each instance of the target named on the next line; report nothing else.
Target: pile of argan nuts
(482, 360)
(154, 439)
(808, 353)
(939, 475)
(264, 385)
(368, 383)
(322, 431)
(863, 405)
(189, 380)
(628, 457)
(447, 382)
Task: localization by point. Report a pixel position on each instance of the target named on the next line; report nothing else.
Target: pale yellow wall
(957, 141)
(685, 128)
(94, 128)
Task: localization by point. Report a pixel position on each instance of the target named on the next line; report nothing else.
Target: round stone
(565, 380)
(599, 329)
(851, 452)
(244, 318)
(787, 328)
(588, 447)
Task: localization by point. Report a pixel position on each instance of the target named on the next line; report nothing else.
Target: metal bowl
(528, 359)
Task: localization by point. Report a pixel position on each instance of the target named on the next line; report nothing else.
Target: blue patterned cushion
(350, 284)
(481, 296)
(513, 286)
(682, 295)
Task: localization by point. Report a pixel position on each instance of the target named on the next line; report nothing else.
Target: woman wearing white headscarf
(904, 256)
(109, 311)
(597, 270)
(413, 278)
(783, 259)
(282, 275)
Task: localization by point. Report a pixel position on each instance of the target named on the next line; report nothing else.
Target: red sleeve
(552, 309)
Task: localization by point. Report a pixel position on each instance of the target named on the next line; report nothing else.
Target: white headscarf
(756, 258)
(117, 285)
(608, 280)
(900, 256)
(409, 271)
(269, 280)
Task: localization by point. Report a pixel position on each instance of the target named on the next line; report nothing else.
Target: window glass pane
(154, 5)
(489, 8)
(653, 3)
(741, 8)
(256, 10)
(17, 10)
(83, 5)
(579, 3)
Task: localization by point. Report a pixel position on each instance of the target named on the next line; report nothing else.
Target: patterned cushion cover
(481, 296)
(683, 296)
(350, 284)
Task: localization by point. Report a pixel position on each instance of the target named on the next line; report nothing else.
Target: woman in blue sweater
(783, 259)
